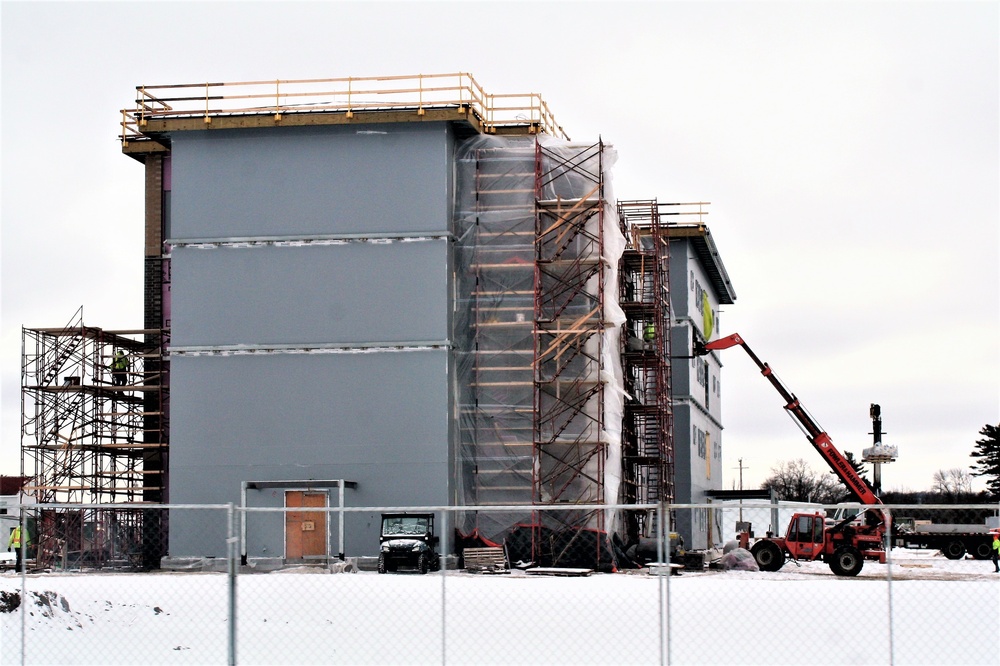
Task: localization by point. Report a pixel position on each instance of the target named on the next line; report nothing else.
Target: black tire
(422, 564)
(381, 563)
(982, 550)
(847, 561)
(768, 556)
(954, 550)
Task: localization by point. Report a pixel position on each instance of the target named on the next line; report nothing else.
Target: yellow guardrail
(346, 95)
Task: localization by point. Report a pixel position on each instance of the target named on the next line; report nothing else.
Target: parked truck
(953, 540)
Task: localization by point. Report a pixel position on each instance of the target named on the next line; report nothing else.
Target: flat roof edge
(708, 253)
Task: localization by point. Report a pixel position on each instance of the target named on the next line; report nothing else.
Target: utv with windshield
(407, 541)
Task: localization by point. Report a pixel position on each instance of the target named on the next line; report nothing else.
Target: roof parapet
(160, 108)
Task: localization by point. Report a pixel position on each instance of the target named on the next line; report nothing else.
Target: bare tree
(952, 482)
(794, 480)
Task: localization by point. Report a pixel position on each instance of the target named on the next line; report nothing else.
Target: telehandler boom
(845, 545)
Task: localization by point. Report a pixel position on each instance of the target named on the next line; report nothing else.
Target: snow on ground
(939, 612)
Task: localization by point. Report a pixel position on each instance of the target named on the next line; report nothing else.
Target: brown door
(305, 531)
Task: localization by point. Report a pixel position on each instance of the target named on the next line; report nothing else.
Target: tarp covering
(516, 288)
(738, 559)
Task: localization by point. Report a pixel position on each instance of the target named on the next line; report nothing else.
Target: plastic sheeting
(738, 559)
(880, 453)
(518, 287)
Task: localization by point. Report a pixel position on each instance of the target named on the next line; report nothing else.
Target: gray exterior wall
(312, 180)
(697, 397)
(377, 419)
(311, 295)
(325, 410)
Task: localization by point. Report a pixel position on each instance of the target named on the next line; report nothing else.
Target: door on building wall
(305, 531)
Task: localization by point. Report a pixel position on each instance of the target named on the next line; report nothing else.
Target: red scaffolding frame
(88, 440)
(570, 443)
(647, 432)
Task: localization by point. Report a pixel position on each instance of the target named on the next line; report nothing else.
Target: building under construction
(405, 287)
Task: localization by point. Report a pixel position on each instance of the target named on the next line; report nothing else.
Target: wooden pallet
(558, 571)
(485, 560)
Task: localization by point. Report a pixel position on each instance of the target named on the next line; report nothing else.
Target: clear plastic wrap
(536, 329)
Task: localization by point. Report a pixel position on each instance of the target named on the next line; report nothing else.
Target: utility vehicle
(407, 541)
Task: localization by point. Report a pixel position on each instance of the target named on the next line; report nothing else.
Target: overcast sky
(849, 152)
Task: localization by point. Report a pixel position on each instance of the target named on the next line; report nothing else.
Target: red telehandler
(845, 545)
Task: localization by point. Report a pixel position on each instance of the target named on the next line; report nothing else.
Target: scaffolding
(92, 433)
(570, 447)
(647, 433)
(533, 372)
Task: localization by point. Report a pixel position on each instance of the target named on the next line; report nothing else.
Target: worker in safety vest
(649, 333)
(119, 369)
(996, 551)
(14, 543)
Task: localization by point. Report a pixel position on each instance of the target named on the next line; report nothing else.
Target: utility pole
(875, 412)
(878, 453)
(741, 468)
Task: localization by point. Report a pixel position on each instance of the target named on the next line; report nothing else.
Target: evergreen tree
(858, 465)
(988, 453)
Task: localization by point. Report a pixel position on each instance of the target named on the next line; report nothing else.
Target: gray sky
(850, 152)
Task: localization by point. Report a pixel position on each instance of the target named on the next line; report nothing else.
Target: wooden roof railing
(348, 95)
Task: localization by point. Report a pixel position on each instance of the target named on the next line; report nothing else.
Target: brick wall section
(154, 205)
(154, 402)
(153, 288)
(153, 293)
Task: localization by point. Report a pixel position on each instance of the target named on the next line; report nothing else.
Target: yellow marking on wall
(708, 320)
(708, 456)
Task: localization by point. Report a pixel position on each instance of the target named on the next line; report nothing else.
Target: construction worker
(14, 543)
(996, 551)
(649, 334)
(119, 369)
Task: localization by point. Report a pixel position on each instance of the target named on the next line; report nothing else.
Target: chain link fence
(268, 586)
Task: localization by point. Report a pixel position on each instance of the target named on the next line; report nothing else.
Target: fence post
(887, 545)
(667, 516)
(234, 550)
(442, 559)
(22, 523)
(340, 521)
(663, 557)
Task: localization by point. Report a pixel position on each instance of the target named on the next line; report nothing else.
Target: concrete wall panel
(339, 294)
(380, 419)
(308, 181)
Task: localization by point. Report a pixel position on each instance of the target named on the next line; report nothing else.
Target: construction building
(700, 285)
(395, 291)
